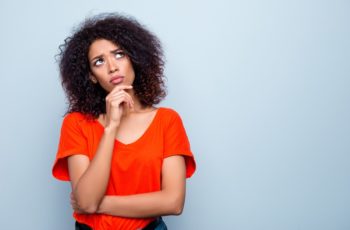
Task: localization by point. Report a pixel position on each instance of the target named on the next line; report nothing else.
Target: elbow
(177, 206)
(177, 210)
(85, 205)
(89, 209)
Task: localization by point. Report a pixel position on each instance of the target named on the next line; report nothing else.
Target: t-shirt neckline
(143, 134)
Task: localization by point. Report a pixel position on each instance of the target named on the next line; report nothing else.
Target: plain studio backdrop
(262, 88)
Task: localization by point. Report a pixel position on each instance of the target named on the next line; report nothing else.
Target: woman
(126, 159)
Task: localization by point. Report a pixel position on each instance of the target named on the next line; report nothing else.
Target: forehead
(101, 47)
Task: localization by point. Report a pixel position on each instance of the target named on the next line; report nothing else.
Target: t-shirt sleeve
(176, 143)
(72, 141)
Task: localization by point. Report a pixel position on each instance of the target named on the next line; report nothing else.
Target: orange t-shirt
(136, 167)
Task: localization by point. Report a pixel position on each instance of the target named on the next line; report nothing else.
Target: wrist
(102, 207)
(111, 128)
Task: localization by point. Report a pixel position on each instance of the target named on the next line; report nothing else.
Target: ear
(92, 78)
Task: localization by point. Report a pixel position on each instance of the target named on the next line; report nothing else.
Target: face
(109, 65)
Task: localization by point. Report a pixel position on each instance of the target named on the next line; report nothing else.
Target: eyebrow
(112, 51)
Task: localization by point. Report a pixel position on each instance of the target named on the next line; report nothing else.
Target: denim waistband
(157, 224)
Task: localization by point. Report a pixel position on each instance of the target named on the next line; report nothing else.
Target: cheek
(99, 76)
(98, 73)
(129, 67)
(131, 71)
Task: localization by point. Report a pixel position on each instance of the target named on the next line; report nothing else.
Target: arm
(168, 201)
(89, 179)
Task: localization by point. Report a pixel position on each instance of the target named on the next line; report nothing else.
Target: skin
(125, 120)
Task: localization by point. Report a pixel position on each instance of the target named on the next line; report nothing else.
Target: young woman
(126, 159)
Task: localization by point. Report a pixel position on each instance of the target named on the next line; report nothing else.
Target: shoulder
(75, 119)
(74, 116)
(169, 113)
(170, 117)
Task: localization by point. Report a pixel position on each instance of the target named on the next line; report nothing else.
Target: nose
(112, 65)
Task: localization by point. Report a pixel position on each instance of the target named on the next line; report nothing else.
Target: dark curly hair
(142, 47)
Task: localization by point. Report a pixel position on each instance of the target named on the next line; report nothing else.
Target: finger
(79, 211)
(120, 87)
(73, 203)
(76, 208)
(116, 103)
(115, 94)
(111, 95)
(127, 96)
(130, 99)
(122, 98)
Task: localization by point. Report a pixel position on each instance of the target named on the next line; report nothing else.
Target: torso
(133, 126)
(150, 137)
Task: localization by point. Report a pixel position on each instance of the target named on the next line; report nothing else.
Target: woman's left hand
(75, 205)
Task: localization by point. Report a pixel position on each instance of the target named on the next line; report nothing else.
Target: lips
(116, 79)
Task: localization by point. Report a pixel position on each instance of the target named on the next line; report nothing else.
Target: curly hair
(142, 47)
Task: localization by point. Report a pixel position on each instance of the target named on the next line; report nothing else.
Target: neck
(137, 103)
(138, 107)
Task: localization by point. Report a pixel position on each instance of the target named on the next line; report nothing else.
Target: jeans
(158, 224)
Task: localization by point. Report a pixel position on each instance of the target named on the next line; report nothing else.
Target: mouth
(116, 79)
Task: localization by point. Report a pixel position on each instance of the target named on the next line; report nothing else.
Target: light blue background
(262, 87)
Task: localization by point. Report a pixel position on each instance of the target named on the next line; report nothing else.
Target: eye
(119, 54)
(98, 62)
